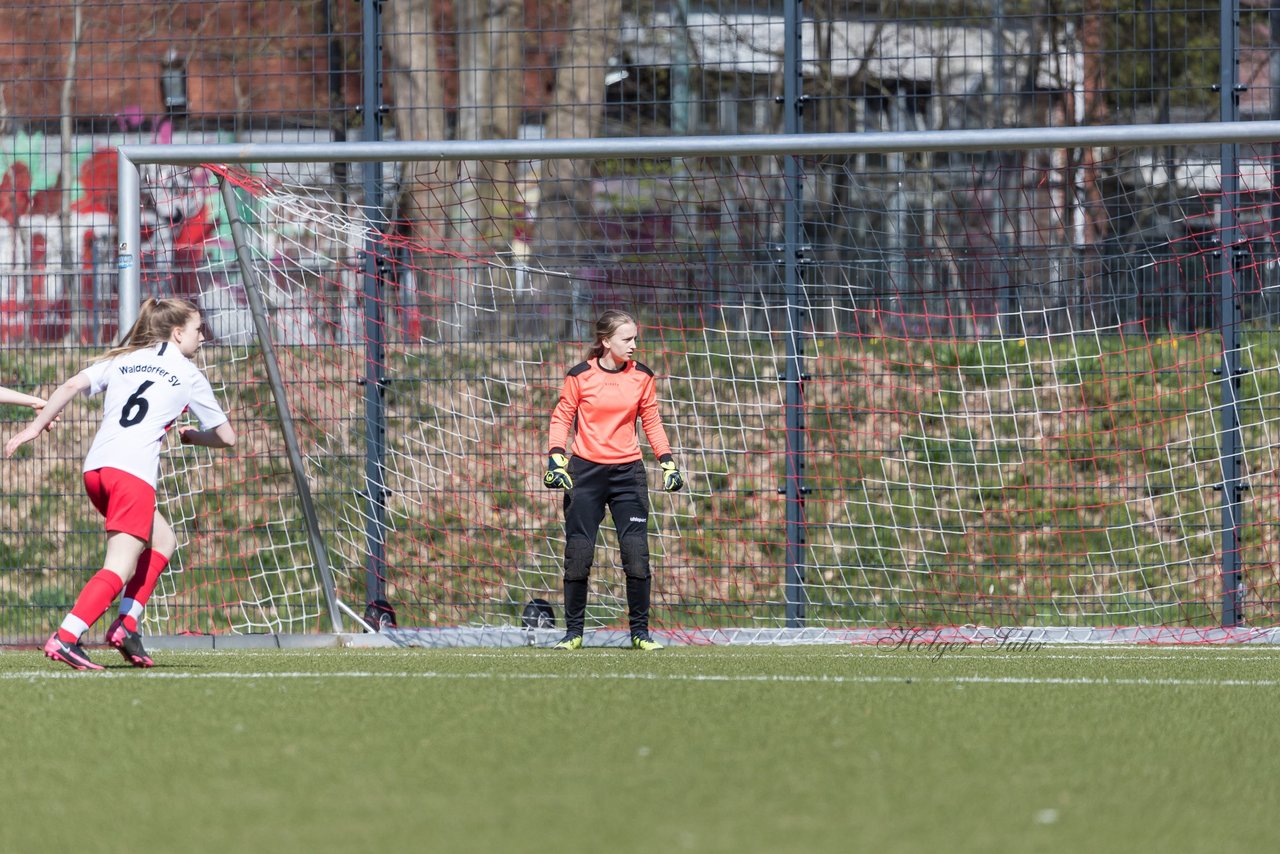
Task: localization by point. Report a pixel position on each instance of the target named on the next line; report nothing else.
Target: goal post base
(343, 640)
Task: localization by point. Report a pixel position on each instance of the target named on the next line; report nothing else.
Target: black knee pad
(635, 555)
(578, 554)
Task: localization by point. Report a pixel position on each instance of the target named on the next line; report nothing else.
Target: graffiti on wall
(58, 232)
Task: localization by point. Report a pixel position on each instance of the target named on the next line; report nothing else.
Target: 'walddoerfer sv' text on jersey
(146, 391)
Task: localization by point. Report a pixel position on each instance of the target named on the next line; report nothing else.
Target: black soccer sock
(575, 605)
(638, 604)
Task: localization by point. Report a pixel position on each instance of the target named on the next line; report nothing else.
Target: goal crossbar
(1178, 133)
(132, 156)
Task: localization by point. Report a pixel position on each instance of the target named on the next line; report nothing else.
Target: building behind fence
(86, 76)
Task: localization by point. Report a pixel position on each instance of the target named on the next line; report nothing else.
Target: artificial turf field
(820, 748)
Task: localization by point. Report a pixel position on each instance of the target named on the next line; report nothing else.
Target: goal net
(1020, 387)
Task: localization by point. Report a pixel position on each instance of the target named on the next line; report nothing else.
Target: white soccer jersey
(146, 392)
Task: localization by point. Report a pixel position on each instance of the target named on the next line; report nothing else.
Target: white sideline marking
(921, 652)
(1085, 681)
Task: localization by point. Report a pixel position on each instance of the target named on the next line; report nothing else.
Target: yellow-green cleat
(645, 643)
(569, 642)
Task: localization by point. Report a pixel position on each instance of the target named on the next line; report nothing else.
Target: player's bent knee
(635, 555)
(578, 554)
(163, 540)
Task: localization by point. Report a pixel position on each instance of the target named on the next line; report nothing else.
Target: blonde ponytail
(157, 318)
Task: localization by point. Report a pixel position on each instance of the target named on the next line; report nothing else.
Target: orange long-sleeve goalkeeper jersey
(605, 404)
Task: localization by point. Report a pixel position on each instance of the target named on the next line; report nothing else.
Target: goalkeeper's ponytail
(606, 326)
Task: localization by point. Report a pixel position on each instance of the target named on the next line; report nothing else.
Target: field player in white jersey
(149, 382)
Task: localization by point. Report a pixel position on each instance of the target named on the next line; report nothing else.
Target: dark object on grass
(380, 615)
(538, 614)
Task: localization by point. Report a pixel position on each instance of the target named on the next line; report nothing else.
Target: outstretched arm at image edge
(65, 393)
(17, 398)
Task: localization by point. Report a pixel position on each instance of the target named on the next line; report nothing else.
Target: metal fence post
(374, 379)
(793, 252)
(1229, 318)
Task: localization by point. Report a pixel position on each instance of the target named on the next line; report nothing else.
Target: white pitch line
(1082, 681)
(949, 654)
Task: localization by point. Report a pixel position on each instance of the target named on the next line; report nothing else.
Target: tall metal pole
(375, 423)
(1229, 318)
(793, 257)
(1273, 71)
(1001, 221)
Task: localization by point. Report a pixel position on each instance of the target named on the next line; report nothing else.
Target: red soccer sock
(151, 564)
(93, 602)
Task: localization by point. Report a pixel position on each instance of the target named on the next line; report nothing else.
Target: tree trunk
(67, 275)
(564, 232)
(413, 72)
(489, 75)
(460, 208)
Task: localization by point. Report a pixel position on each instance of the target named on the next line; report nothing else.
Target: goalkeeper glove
(557, 476)
(672, 480)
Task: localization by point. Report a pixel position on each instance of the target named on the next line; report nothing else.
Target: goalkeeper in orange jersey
(602, 397)
(147, 382)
